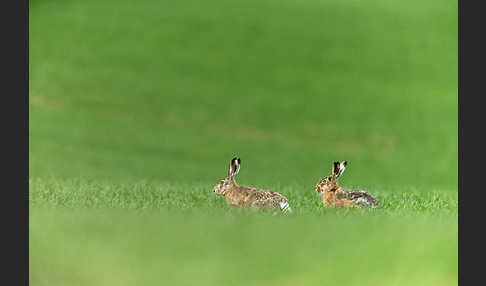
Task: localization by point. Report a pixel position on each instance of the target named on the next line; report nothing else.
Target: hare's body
(348, 198)
(336, 196)
(243, 196)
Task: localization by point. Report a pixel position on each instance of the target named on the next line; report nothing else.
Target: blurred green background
(136, 108)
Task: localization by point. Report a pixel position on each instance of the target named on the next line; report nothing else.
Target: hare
(334, 195)
(243, 196)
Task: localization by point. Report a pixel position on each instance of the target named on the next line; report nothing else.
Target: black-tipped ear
(342, 166)
(335, 168)
(234, 167)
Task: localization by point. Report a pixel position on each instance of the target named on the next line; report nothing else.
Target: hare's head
(227, 183)
(330, 183)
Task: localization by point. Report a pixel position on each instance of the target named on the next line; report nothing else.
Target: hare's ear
(342, 166)
(335, 169)
(234, 167)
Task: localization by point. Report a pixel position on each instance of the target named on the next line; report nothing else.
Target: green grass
(94, 233)
(136, 108)
(200, 198)
(76, 247)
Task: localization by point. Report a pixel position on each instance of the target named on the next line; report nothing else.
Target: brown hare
(334, 195)
(243, 196)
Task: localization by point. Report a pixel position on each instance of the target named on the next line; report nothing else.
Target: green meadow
(137, 107)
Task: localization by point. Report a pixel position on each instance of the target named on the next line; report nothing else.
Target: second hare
(334, 195)
(243, 196)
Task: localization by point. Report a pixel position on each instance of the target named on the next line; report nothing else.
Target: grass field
(136, 108)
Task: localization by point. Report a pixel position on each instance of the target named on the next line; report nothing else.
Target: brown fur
(335, 196)
(243, 196)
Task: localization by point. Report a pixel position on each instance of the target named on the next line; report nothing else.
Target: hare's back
(264, 195)
(362, 198)
(267, 199)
